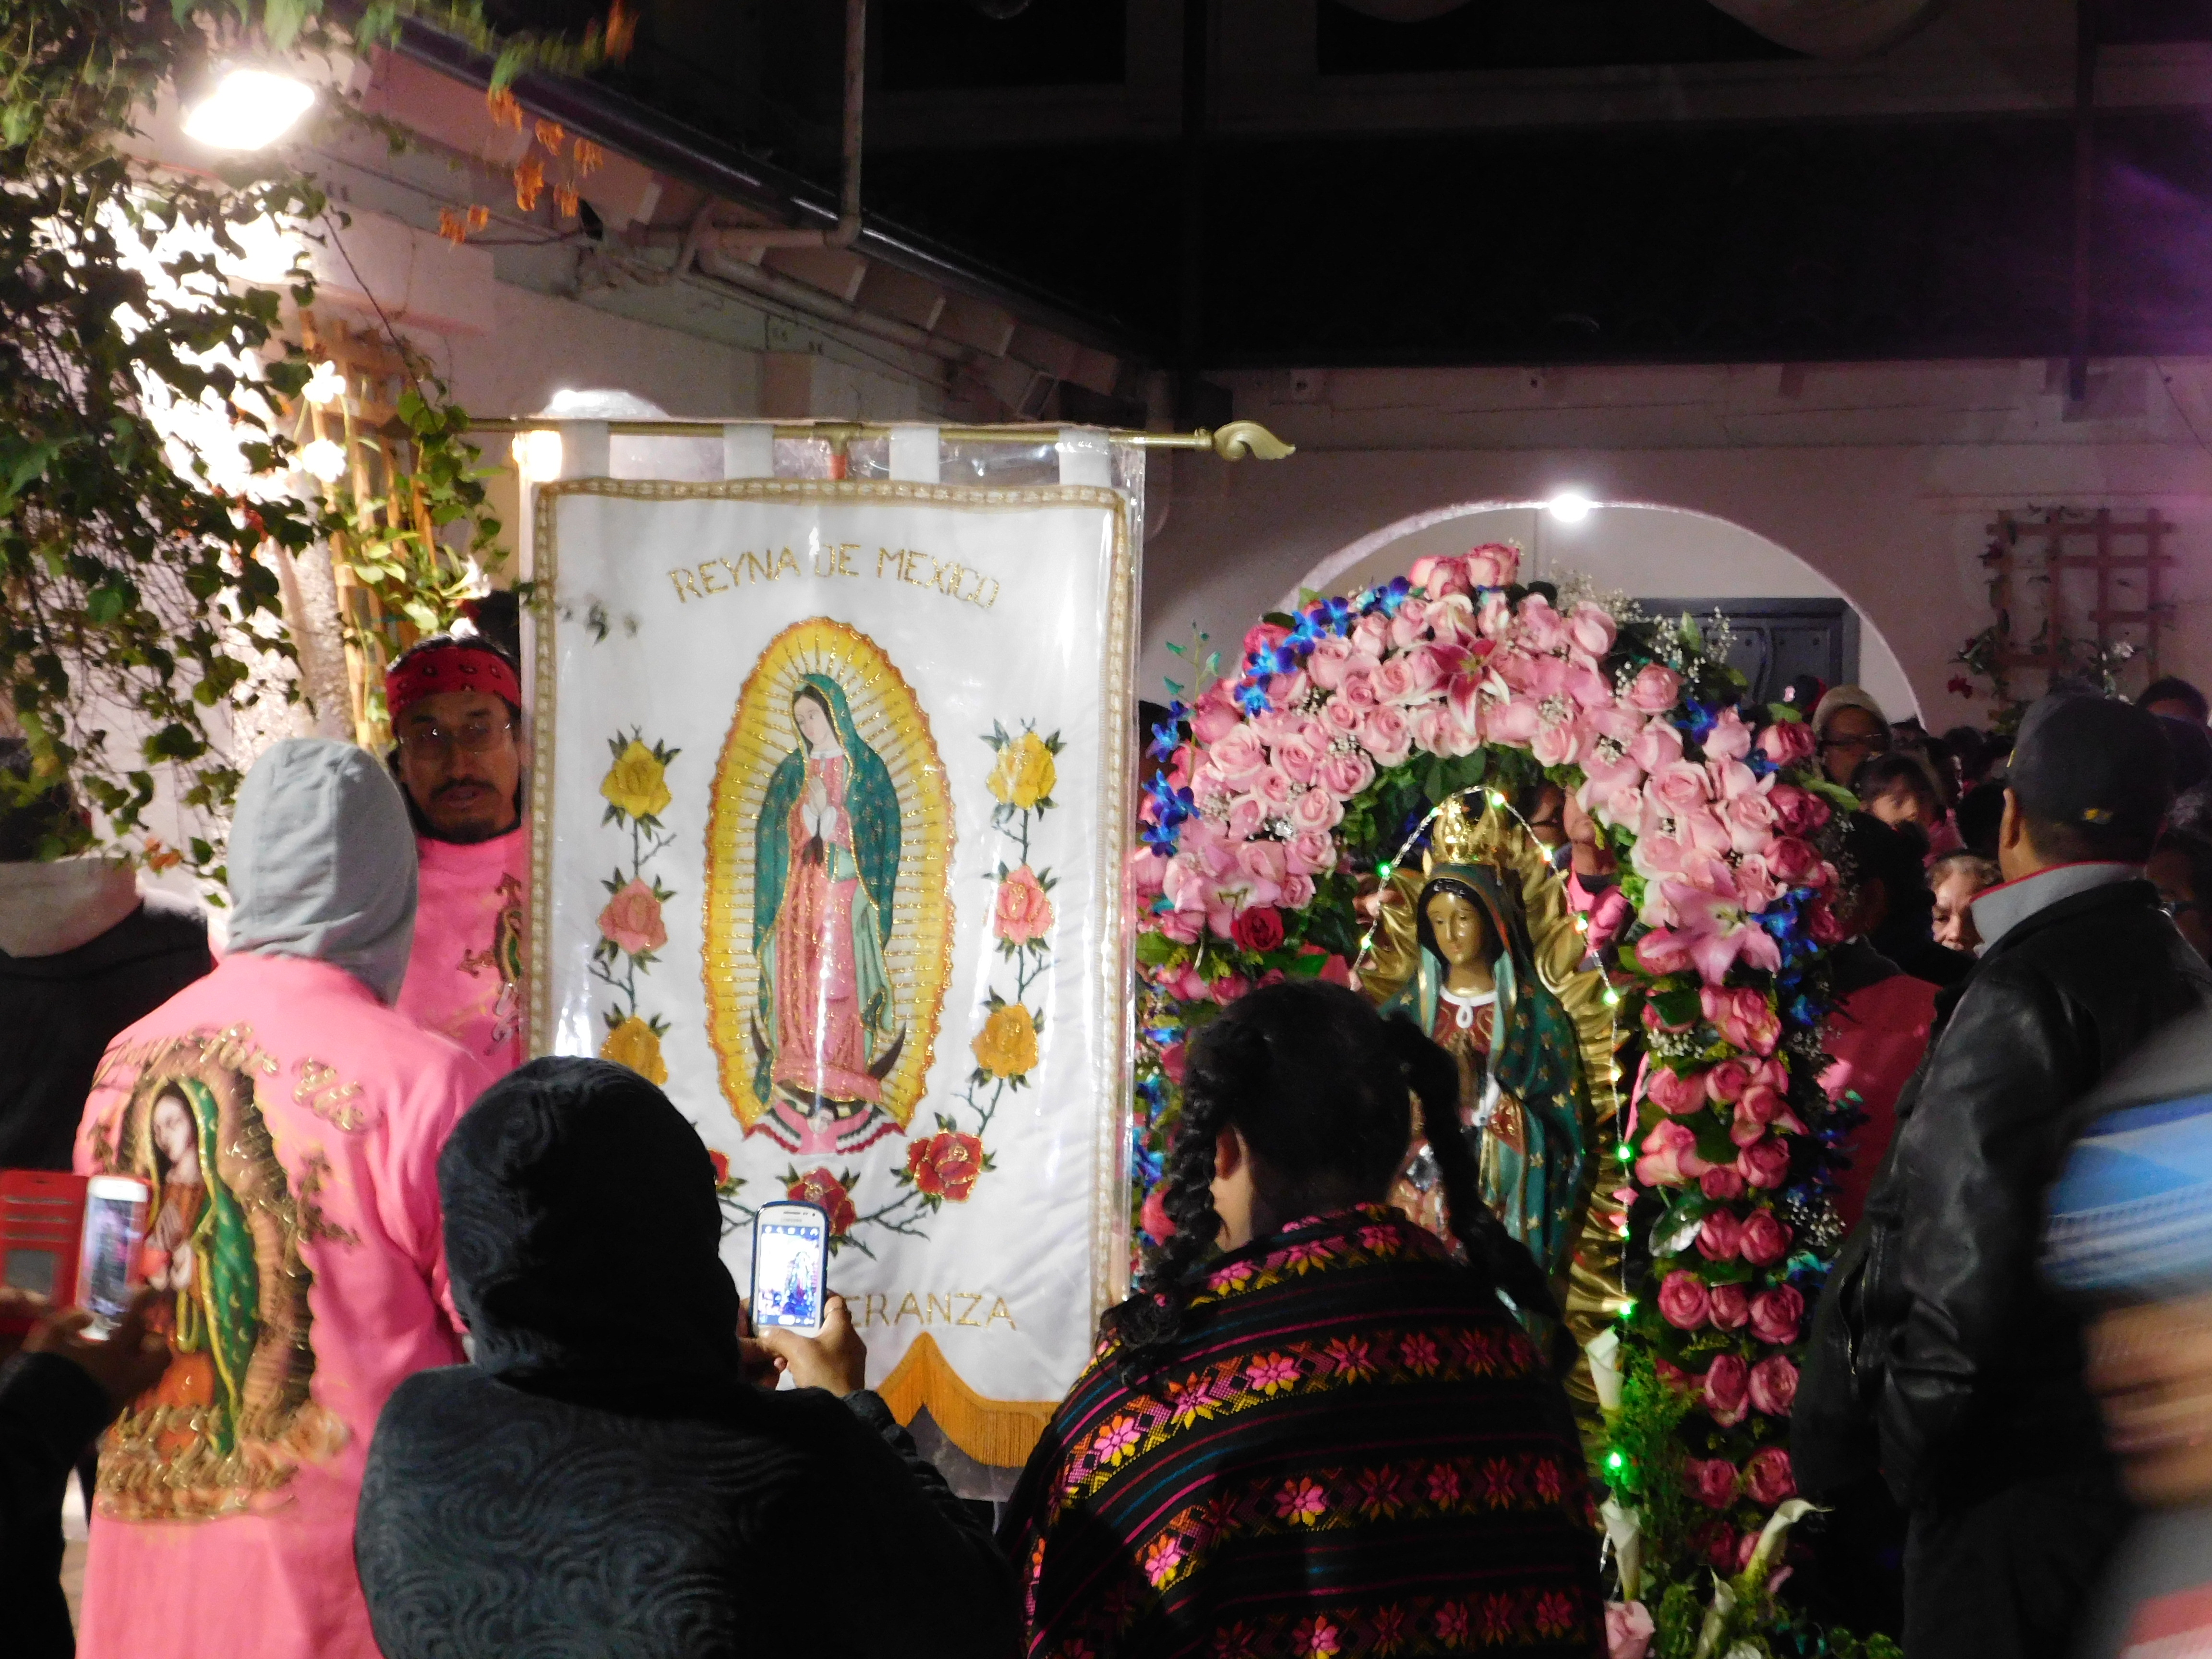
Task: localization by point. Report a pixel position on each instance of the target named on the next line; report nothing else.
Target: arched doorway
(1650, 552)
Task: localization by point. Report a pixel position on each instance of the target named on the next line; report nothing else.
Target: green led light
(1611, 998)
(1615, 1460)
(1385, 871)
(1625, 1152)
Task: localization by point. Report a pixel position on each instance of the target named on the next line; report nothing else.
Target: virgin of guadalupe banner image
(829, 791)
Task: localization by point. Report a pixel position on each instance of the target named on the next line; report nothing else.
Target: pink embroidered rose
(1654, 688)
(1385, 735)
(1590, 629)
(1729, 1307)
(1774, 1385)
(1720, 1236)
(1676, 1093)
(1024, 909)
(1764, 1163)
(1316, 809)
(1727, 1389)
(1788, 743)
(1326, 666)
(1494, 564)
(1776, 1314)
(1767, 1477)
(1712, 1480)
(1726, 1082)
(1721, 1183)
(1764, 1239)
(1344, 775)
(632, 919)
(1684, 1301)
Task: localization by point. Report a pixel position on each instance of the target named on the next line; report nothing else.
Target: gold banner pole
(1232, 443)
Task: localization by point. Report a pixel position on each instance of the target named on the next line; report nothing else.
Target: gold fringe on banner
(999, 1432)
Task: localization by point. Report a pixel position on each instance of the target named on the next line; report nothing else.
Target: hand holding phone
(837, 1359)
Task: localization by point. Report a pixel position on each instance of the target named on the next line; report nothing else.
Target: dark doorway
(1777, 639)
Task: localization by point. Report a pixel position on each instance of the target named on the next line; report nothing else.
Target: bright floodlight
(248, 109)
(1570, 507)
(537, 455)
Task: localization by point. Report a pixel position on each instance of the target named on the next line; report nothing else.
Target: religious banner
(830, 794)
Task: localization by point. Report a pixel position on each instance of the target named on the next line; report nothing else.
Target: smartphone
(790, 1265)
(108, 1262)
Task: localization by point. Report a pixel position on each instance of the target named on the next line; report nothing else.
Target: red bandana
(456, 667)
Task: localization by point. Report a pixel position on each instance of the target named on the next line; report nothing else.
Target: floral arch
(1288, 795)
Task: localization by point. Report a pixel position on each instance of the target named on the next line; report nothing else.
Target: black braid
(1491, 1250)
(1223, 1063)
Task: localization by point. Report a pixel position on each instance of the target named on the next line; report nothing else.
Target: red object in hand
(41, 1232)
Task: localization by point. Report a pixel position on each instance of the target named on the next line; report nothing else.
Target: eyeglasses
(434, 742)
(1876, 740)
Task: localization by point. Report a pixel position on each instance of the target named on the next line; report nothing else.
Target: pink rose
(1727, 1081)
(1721, 1183)
(1670, 1157)
(1410, 622)
(1247, 814)
(1765, 1239)
(1764, 1163)
(1751, 820)
(1767, 1477)
(1316, 809)
(1729, 739)
(1372, 633)
(1671, 1374)
(1183, 984)
(1297, 892)
(1264, 637)
(1628, 1630)
(1774, 1385)
(1358, 687)
(1795, 861)
(1384, 734)
(1683, 1300)
(1298, 758)
(1272, 786)
(1727, 1389)
(1310, 852)
(1590, 629)
(1654, 689)
(1799, 812)
(1394, 682)
(1776, 1315)
(1788, 743)
(1677, 788)
(1174, 1060)
(1148, 873)
(1730, 1307)
(1755, 883)
(1183, 927)
(1823, 924)
(1229, 988)
(1024, 910)
(1433, 729)
(1675, 1092)
(1494, 564)
(1542, 628)
(1438, 578)
(1743, 1015)
(1759, 1107)
(1712, 1480)
(1493, 618)
(632, 919)
(1238, 757)
(1656, 746)
(1217, 715)
(1424, 672)
(1346, 773)
(1719, 1236)
(1286, 690)
(1703, 834)
(1326, 666)
(1267, 860)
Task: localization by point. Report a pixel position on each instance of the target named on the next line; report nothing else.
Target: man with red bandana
(456, 710)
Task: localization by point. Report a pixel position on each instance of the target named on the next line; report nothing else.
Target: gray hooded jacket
(322, 863)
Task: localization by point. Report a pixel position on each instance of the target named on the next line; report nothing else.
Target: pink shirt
(290, 1127)
(1875, 1036)
(465, 974)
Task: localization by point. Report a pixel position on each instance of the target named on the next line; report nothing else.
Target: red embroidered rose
(946, 1165)
(632, 919)
(820, 1187)
(1024, 911)
(721, 1167)
(1259, 929)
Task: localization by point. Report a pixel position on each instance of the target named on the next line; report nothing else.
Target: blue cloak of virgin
(1538, 1188)
(872, 809)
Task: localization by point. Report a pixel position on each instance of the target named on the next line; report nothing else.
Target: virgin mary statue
(1466, 969)
(826, 851)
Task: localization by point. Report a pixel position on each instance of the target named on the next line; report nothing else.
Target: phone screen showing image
(789, 1248)
(112, 1225)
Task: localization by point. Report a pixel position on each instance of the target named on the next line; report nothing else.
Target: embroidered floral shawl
(1354, 1451)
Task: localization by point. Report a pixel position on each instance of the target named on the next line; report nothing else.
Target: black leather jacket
(1957, 1362)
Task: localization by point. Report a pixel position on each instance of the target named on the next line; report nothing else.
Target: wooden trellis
(2065, 568)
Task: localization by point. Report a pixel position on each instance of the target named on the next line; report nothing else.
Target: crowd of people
(407, 1379)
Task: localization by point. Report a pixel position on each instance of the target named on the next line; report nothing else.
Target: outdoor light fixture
(537, 454)
(1570, 507)
(248, 109)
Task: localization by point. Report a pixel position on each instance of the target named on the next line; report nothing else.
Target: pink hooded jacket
(290, 1122)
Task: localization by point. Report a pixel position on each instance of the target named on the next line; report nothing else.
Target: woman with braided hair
(1314, 1428)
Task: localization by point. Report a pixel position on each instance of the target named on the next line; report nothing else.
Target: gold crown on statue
(1469, 830)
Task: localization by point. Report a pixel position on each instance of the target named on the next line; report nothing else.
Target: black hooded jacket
(602, 1481)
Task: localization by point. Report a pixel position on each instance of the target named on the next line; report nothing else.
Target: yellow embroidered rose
(1007, 1045)
(637, 1045)
(637, 783)
(1025, 773)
